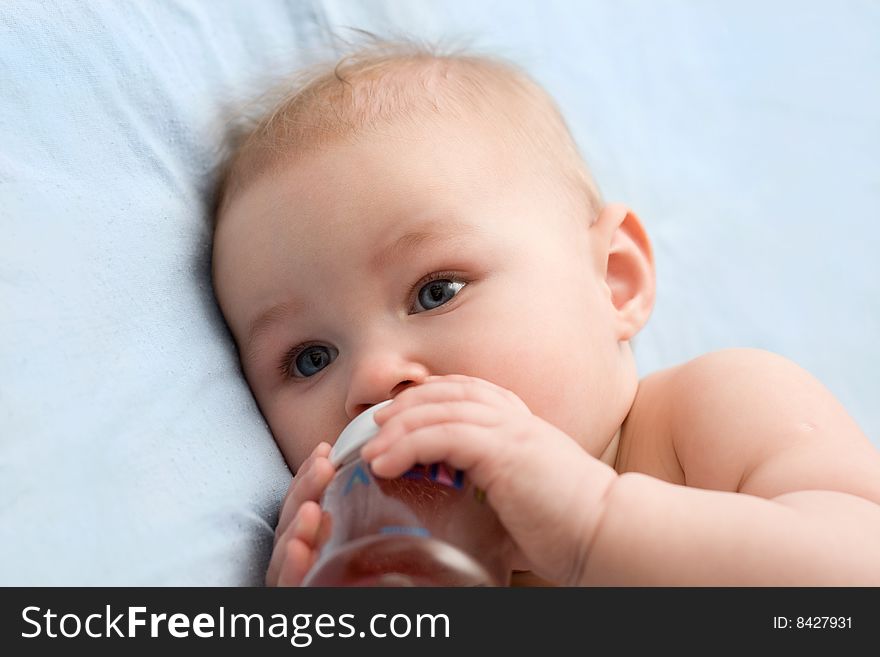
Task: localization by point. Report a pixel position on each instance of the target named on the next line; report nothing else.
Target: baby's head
(407, 214)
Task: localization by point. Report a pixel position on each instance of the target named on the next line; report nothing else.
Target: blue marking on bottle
(359, 475)
(401, 529)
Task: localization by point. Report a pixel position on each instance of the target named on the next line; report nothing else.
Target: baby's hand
(545, 488)
(302, 527)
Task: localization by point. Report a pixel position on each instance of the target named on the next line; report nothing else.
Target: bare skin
(736, 468)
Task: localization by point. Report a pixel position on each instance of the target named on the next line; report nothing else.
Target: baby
(420, 226)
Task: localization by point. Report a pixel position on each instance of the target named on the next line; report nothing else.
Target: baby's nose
(400, 387)
(369, 388)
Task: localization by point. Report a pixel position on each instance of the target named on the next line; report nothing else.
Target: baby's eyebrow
(432, 232)
(263, 321)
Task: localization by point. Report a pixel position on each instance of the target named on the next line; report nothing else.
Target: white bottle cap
(356, 434)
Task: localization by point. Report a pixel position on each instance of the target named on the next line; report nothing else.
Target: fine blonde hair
(399, 83)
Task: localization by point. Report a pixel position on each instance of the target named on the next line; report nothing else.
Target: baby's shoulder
(749, 420)
(723, 380)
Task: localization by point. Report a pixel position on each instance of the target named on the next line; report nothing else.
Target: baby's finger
(309, 487)
(422, 415)
(463, 446)
(509, 395)
(298, 561)
(321, 449)
(440, 390)
(324, 530)
(303, 530)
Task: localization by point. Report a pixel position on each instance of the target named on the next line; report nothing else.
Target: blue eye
(308, 361)
(437, 292)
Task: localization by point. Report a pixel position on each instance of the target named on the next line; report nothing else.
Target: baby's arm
(796, 486)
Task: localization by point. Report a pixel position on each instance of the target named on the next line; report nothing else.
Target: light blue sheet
(131, 452)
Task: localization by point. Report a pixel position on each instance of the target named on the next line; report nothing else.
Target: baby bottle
(429, 527)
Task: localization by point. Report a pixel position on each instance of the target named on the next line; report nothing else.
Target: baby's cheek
(297, 431)
(560, 380)
(294, 452)
(533, 370)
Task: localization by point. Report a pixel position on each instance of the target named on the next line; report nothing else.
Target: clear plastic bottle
(430, 527)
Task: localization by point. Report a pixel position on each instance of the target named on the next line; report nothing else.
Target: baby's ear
(623, 251)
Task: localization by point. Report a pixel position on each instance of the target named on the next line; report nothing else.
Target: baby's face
(358, 271)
